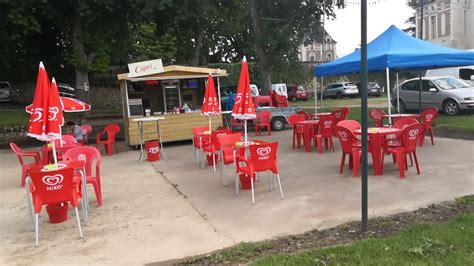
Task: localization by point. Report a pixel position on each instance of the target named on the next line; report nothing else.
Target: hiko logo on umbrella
(53, 113)
(38, 113)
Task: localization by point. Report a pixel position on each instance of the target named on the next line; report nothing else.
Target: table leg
(162, 151)
(140, 127)
(85, 199)
(377, 153)
(307, 138)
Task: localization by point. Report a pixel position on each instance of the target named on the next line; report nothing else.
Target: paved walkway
(172, 209)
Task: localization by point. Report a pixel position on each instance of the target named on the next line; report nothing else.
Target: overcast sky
(345, 29)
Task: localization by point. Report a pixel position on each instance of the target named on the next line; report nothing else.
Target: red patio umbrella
(70, 105)
(47, 117)
(210, 105)
(243, 105)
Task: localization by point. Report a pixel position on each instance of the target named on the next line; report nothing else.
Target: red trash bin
(152, 150)
(57, 213)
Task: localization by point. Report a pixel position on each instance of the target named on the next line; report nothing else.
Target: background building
(311, 50)
(447, 22)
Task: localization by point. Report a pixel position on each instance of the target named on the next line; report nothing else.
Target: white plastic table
(140, 122)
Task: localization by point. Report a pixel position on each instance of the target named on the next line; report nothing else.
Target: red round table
(309, 127)
(318, 115)
(376, 139)
(396, 117)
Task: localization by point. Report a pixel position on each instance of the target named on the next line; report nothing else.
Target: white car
(6, 92)
(340, 90)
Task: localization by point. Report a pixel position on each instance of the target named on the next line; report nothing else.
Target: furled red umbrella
(70, 105)
(243, 106)
(210, 105)
(47, 117)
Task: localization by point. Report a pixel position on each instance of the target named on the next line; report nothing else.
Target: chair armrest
(97, 137)
(34, 154)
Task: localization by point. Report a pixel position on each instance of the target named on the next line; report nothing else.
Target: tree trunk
(81, 64)
(264, 66)
(197, 48)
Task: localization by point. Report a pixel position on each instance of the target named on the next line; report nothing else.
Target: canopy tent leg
(419, 94)
(398, 94)
(387, 72)
(315, 81)
(322, 86)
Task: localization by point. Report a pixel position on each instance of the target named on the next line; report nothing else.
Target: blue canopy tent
(396, 50)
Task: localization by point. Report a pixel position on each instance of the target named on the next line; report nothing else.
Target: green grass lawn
(16, 115)
(374, 101)
(440, 244)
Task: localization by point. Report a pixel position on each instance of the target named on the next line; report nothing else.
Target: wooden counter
(174, 127)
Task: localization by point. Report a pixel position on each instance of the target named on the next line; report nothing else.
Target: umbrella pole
(388, 97)
(61, 133)
(245, 131)
(398, 96)
(55, 157)
(210, 124)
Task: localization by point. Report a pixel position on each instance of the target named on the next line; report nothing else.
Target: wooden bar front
(174, 127)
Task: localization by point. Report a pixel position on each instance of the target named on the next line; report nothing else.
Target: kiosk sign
(145, 68)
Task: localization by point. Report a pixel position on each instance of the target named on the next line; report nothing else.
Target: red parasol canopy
(70, 105)
(46, 116)
(210, 105)
(243, 106)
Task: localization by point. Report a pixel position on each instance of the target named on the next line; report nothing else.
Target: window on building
(433, 27)
(311, 57)
(465, 21)
(443, 24)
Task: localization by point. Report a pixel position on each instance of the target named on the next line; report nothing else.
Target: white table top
(148, 118)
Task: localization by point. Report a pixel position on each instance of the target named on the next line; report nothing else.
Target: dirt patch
(342, 234)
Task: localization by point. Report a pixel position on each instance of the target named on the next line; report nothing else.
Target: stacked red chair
(326, 125)
(212, 146)
(110, 131)
(197, 140)
(91, 156)
(426, 118)
(377, 116)
(263, 157)
(25, 167)
(410, 137)
(297, 130)
(263, 120)
(227, 144)
(53, 188)
(339, 115)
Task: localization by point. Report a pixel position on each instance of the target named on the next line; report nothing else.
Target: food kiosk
(173, 92)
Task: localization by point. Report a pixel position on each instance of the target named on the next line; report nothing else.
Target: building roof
(178, 72)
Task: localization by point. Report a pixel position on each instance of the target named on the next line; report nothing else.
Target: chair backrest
(18, 152)
(112, 130)
(326, 124)
(305, 115)
(410, 136)
(84, 153)
(229, 139)
(405, 121)
(346, 138)
(346, 110)
(339, 115)
(218, 133)
(263, 157)
(428, 115)
(66, 140)
(292, 119)
(196, 131)
(377, 116)
(264, 117)
(53, 186)
(87, 129)
(350, 124)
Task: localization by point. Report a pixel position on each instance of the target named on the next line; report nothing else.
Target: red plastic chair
(227, 145)
(345, 110)
(87, 130)
(427, 117)
(212, 147)
(263, 157)
(197, 140)
(326, 125)
(25, 167)
(305, 115)
(235, 123)
(68, 141)
(111, 130)
(53, 188)
(377, 116)
(410, 137)
(263, 120)
(339, 115)
(349, 147)
(91, 155)
(397, 142)
(349, 124)
(297, 131)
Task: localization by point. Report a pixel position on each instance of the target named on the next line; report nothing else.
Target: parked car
(373, 89)
(340, 90)
(465, 73)
(7, 92)
(297, 92)
(445, 93)
(66, 90)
